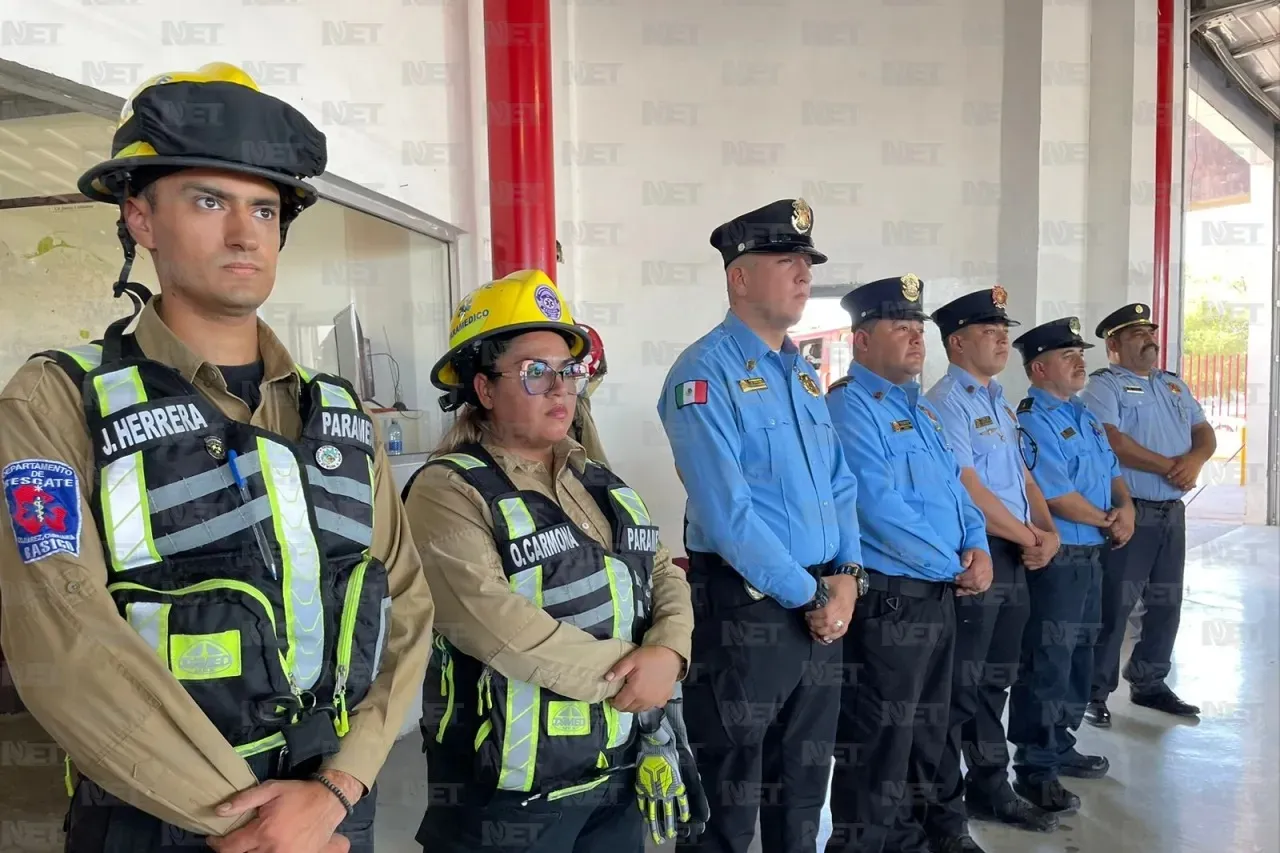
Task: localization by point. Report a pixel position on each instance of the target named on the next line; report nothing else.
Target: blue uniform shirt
(768, 488)
(915, 514)
(1073, 456)
(983, 432)
(1158, 412)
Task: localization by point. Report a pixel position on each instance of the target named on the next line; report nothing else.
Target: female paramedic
(562, 627)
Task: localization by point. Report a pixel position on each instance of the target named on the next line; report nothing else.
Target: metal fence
(1219, 382)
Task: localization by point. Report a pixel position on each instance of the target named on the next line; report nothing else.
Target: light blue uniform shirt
(1073, 455)
(983, 431)
(768, 488)
(1158, 412)
(915, 515)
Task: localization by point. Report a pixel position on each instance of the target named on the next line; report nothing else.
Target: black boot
(1083, 766)
(1049, 796)
(955, 844)
(1097, 714)
(1014, 812)
(1164, 700)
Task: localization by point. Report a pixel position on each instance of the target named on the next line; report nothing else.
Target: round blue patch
(547, 301)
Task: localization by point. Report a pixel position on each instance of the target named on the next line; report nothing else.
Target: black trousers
(1150, 567)
(98, 822)
(1047, 702)
(989, 630)
(760, 703)
(893, 716)
(602, 820)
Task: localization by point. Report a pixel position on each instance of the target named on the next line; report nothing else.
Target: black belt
(1072, 551)
(706, 559)
(910, 587)
(1157, 504)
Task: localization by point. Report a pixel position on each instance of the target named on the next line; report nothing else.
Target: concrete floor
(1174, 787)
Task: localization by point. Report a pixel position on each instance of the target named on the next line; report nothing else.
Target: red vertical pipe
(522, 197)
(1164, 170)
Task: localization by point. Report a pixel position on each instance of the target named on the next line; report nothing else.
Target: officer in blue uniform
(983, 431)
(772, 537)
(925, 543)
(1159, 433)
(1080, 478)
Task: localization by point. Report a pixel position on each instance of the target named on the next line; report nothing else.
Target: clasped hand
(1185, 472)
(976, 577)
(293, 817)
(1120, 524)
(1039, 555)
(830, 623)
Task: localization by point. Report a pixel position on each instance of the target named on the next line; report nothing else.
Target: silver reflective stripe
(151, 620)
(346, 527)
(344, 487)
(604, 614)
(462, 460)
(384, 622)
(205, 483)
(516, 514)
(519, 742)
(624, 600)
(631, 502)
(89, 356)
(303, 607)
(577, 589)
(213, 529)
(118, 390)
(333, 397)
(126, 516)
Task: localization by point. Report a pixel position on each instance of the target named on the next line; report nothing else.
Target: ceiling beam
(1215, 16)
(1250, 50)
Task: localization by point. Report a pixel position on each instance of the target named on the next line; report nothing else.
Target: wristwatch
(858, 574)
(820, 597)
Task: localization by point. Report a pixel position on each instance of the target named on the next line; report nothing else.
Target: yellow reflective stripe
(577, 789)
(126, 514)
(257, 747)
(617, 725)
(300, 556)
(520, 743)
(68, 776)
(621, 593)
(305, 373)
(516, 514)
(151, 620)
(89, 356)
(118, 390)
(631, 502)
(334, 397)
(462, 460)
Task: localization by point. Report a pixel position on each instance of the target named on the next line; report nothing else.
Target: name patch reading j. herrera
(344, 426)
(135, 428)
(537, 547)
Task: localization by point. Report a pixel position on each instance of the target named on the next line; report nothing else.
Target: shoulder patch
(43, 500)
(1026, 405)
(691, 393)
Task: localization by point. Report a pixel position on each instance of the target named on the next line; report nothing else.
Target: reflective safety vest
(525, 737)
(239, 556)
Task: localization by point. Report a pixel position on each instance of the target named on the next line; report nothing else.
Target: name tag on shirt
(1068, 432)
(755, 383)
(903, 426)
(984, 421)
(1133, 389)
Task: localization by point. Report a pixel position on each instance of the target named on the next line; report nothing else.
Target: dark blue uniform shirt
(1073, 455)
(915, 515)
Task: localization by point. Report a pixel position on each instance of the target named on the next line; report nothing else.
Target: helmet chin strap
(138, 293)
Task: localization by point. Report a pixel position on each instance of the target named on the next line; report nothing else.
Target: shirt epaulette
(1170, 372)
(838, 384)
(1025, 405)
(1100, 371)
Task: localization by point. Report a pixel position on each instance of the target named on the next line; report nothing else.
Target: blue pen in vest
(257, 525)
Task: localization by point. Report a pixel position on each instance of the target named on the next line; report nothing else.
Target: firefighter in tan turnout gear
(205, 547)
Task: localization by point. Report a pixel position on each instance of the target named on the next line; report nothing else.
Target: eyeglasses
(538, 377)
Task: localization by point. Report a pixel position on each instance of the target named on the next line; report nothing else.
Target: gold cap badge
(801, 216)
(999, 296)
(911, 287)
(1074, 325)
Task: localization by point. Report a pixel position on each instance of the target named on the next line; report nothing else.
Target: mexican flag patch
(691, 393)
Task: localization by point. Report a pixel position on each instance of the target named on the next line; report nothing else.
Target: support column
(521, 147)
